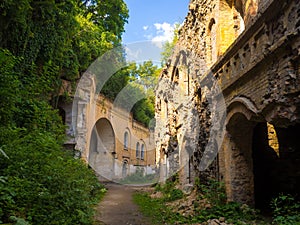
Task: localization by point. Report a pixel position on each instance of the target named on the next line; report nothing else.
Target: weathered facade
(249, 51)
(105, 135)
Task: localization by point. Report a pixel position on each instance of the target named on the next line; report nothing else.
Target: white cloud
(145, 27)
(132, 53)
(164, 32)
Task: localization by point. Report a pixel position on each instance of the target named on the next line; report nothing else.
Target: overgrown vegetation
(137, 83)
(169, 190)
(214, 193)
(42, 184)
(285, 210)
(168, 47)
(155, 209)
(209, 203)
(42, 43)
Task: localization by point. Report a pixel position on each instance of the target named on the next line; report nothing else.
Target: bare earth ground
(118, 208)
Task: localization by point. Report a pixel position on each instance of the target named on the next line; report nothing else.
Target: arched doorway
(125, 168)
(102, 149)
(264, 167)
(239, 159)
(275, 163)
(260, 161)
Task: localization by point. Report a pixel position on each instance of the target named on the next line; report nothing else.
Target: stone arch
(125, 168)
(235, 157)
(244, 106)
(237, 146)
(103, 148)
(180, 72)
(230, 23)
(252, 170)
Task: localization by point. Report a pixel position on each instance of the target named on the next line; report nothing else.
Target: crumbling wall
(251, 49)
(182, 110)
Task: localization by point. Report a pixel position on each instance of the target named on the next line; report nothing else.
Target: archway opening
(125, 168)
(102, 149)
(264, 167)
(275, 172)
(241, 166)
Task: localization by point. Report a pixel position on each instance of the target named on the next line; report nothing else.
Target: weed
(286, 210)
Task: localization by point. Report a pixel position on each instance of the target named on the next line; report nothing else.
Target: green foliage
(169, 190)
(137, 83)
(168, 47)
(286, 210)
(68, 34)
(110, 15)
(42, 183)
(144, 111)
(212, 193)
(42, 42)
(9, 84)
(155, 209)
(145, 77)
(116, 84)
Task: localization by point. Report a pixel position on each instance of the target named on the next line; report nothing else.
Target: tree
(168, 47)
(42, 42)
(145, 77)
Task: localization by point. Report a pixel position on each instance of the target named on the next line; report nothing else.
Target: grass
(155, 209)
(161, 209)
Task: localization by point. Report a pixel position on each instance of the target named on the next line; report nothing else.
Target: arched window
(137, 152)
(142, 151)
(211, 45)
(62, 114)
(126, 140)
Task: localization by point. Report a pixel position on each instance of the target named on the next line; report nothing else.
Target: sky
(150, 24)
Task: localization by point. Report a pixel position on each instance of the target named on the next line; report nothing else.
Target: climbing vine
(41, 44)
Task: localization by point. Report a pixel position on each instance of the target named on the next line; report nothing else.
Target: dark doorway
(289, 157)
(264, 163)
(275, 172)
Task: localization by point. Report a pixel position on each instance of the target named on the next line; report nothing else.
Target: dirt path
(117, 207)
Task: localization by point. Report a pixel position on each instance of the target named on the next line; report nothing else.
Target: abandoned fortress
(228, 100)
(227, 106)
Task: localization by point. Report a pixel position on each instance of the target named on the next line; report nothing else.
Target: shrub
(169, 190)
(285, 210)
(42, 184)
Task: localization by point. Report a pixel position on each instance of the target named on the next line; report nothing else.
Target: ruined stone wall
(181, 105)
(258, 77)
(251, 49)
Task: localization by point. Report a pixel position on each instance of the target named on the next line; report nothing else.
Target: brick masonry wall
(251, 48)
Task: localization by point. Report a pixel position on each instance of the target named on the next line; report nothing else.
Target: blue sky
(151, 22)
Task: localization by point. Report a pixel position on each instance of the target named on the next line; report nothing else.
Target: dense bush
(212, 194)
(40, 183)
(43, 184)
(286, 210)
(41, 43)
(169, 190)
